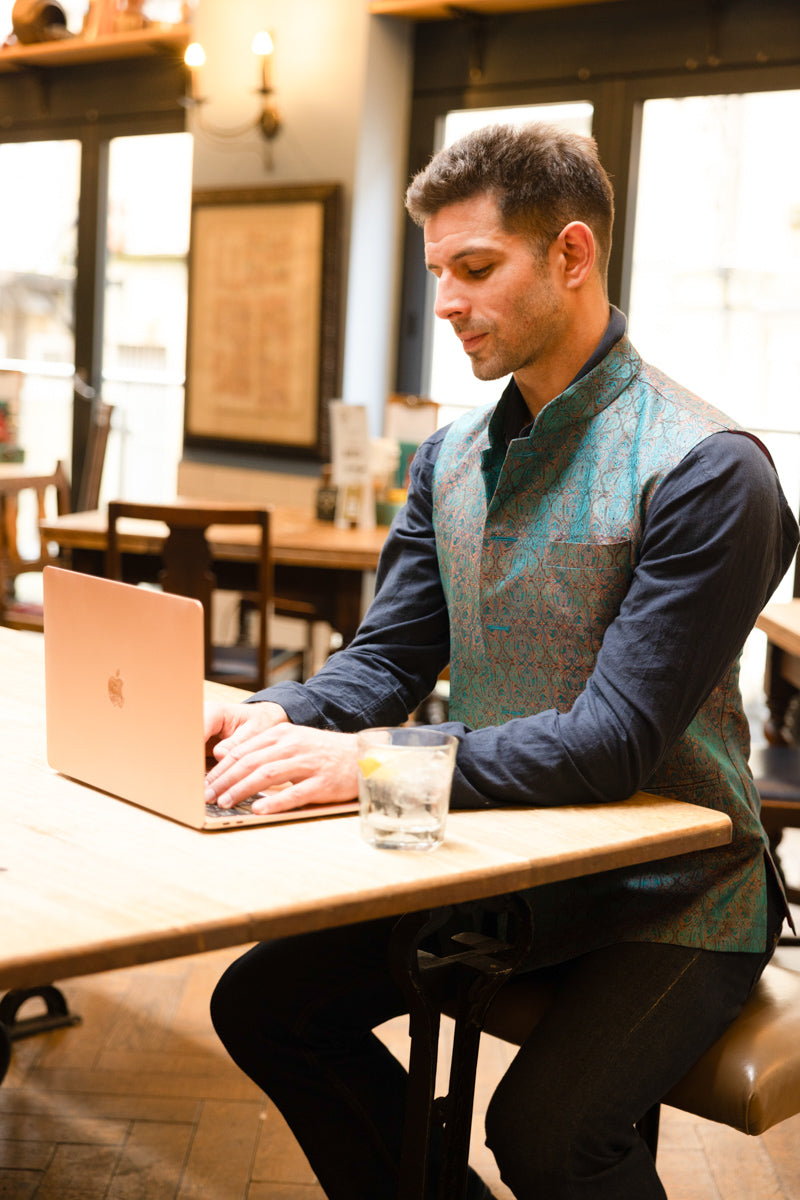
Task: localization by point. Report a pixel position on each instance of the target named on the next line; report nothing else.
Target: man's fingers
(236, 723)
(242, 779)
(320, 766)
(285, 799)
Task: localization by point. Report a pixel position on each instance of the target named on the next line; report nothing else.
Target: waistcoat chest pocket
(588, 581)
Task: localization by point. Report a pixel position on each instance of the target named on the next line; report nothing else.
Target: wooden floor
(140, 1102)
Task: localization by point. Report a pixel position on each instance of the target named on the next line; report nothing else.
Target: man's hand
(257, 748)
(224, 721)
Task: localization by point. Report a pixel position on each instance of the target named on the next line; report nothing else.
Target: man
(589, 556)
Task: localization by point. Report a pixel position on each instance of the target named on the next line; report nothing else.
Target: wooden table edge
(376, 902)
(291, 555)
(772, 622)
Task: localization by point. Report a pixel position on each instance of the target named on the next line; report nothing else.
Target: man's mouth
(471, 341)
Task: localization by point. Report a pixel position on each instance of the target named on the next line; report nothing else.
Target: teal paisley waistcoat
(537, 543)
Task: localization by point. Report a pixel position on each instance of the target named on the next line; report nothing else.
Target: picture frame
(263, 345)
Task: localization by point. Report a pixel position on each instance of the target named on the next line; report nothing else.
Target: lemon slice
(368, 766)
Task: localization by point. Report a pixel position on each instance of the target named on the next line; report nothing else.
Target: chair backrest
(10, 391)
(776, 771)
(187, 564)
(88, 496)
(14, 481)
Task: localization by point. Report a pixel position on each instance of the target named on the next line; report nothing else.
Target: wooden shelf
(437, 10)
(156, 39)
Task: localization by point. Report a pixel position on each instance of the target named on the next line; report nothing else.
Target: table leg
(55, 1016)
(5, 1052)
(348, 604)
(779, 692)
(333, 593)
(463, 978)
(12, 1027)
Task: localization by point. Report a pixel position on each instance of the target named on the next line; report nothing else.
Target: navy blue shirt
(718, 537)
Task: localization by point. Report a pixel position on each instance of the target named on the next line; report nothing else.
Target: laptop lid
(124, 697)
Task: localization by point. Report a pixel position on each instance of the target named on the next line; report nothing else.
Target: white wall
(342, 82)
(378, 219)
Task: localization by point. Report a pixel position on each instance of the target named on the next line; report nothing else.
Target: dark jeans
(626, 1024)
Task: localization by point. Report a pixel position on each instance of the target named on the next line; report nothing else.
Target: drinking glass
(404, 780)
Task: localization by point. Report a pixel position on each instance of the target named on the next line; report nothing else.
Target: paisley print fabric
(537, 543)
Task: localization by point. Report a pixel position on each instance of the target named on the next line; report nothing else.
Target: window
(66, 254)
(144, 343)
(144, 320)
(38, 248)
(714, 299)
(716, 259)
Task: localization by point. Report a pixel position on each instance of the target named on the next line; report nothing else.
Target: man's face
(499, 296)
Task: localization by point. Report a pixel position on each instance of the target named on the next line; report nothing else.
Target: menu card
(350, 466)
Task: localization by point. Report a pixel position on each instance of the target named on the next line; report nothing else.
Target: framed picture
(263, 350)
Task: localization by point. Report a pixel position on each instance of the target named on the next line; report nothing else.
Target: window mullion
(90, 284)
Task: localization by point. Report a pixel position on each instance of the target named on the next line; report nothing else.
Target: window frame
(645, 67)
(95, 103)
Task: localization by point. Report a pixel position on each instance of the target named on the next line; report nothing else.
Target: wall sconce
(268, 119)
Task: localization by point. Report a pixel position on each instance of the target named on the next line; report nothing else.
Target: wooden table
(89, 883)
(20, 473)
(781, 624)
(315, 562)
(95, 883)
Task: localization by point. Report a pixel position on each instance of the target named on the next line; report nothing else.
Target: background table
(781, 624)
(315, 562)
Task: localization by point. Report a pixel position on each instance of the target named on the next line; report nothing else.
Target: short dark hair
(540, 176)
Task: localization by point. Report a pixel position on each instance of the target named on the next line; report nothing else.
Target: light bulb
(195, 56)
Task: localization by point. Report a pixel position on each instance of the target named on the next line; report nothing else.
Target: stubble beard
(505, 360)
(539, 326)
(500, 360)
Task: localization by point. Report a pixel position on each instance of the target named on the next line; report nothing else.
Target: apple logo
(115, 695)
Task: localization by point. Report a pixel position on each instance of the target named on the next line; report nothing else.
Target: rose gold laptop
(124, 698)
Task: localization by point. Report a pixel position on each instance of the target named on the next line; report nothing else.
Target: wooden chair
(187, 568)
(749, 1079)
(776, 770)
(88, 497)
(782, 687)
(18, 485)
(776, 766)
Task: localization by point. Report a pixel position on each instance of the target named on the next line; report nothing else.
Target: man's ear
(576, 247)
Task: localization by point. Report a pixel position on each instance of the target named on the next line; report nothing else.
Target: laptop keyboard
(245, 806)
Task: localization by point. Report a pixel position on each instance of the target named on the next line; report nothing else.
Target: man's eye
(478, 272)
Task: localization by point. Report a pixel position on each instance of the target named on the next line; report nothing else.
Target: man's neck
(542, 381)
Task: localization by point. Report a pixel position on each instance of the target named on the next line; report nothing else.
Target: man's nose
(450, 300)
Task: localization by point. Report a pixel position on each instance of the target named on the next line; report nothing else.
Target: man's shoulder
(664, 418)
(667, 394)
